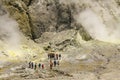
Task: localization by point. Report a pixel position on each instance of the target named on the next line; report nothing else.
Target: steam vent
(59, 39)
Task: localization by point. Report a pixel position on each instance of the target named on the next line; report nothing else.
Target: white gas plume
(93, 24)
(101, 20)
(96, 27)
(9, 32)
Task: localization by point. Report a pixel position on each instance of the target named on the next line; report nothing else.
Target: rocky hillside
(83, 31)
(37, 17)
(58, 24)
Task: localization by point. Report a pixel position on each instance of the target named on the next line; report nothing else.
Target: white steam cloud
(9, 32)
(96, 28)
(93, 23)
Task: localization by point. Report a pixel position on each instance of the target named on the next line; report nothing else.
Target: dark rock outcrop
(53, 16)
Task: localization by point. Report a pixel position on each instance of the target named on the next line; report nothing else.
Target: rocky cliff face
(46, 21)
(18, 10)
(13, 19)
(37, 17)
(53, 16)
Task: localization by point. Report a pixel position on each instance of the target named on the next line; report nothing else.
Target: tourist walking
(29, 64)
(55, 63)
(57, 56)
(43, 66)
(32, 64)
(39, 65)
(35, 67)
(51, 64)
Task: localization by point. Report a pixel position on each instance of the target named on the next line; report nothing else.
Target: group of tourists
(35, 65)
(54, 60)
(54, 56)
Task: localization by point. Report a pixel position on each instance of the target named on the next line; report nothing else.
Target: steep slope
(13, 44)
(18, 10)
